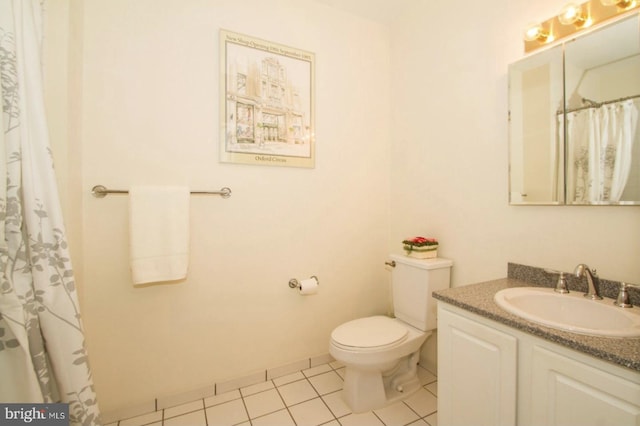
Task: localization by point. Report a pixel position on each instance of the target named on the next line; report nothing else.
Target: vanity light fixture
(573, 14)
(576, 17)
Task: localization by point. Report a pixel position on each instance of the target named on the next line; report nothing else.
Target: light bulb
(572, 14)
(535, 31)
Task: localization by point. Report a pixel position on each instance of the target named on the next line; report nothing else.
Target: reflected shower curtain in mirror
(600, 143)
(43, 358)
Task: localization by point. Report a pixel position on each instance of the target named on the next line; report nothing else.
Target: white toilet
(381, 353)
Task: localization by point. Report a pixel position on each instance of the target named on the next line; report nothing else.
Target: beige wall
(149, 96)
(62, 73)
(411, 139)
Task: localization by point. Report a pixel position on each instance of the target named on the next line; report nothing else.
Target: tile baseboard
(320, 359)
(128, 412)
(217, 388)
(184, 397)
(294, 367)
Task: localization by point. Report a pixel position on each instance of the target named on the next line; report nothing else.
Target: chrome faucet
(593, 282)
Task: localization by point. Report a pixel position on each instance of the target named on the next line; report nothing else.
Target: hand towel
(158, 233)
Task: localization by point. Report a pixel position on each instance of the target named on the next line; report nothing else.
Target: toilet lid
(369, 332)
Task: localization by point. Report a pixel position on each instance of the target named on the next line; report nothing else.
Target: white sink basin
(571, 312)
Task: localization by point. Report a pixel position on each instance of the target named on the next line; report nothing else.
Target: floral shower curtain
(600, 146)
(42, 349)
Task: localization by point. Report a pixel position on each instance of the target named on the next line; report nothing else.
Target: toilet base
(366, 390)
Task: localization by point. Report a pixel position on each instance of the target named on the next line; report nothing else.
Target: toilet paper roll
(308, 286)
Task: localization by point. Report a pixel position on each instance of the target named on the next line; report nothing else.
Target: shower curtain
(600, 146)
(43, 358)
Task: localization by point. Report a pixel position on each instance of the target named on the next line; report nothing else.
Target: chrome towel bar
(100, 191)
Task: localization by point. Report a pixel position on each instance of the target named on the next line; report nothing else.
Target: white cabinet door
(476, 373)
(569, 392)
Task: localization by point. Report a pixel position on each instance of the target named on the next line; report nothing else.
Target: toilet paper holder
(294, 283)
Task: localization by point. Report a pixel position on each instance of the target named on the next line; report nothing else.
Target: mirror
(576, 140)
(602, 86)
(536, 148)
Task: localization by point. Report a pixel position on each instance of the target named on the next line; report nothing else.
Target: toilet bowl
(380, 355)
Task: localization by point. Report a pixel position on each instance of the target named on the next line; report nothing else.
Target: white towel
(158, 233)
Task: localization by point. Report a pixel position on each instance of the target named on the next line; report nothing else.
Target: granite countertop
(478, 298)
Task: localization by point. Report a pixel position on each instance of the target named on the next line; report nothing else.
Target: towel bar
(100, 191)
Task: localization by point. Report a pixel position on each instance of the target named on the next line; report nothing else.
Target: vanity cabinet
(492, 374)
(565, 392)
(476, 373)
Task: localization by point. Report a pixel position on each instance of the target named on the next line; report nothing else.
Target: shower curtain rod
(593, 104)
(100, 191)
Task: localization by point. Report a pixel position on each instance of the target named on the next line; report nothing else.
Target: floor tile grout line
(206, 418)
(285, 403)
(314, 388)
(318, 395)
(329, 408)
(244, 404)
(322, 399)
(224, 402)
(378, 417)
(204, 408)
(409, 407)
(336, 417)
(281, 398)
(293, 381)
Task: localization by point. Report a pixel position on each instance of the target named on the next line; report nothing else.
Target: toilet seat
(371, 333)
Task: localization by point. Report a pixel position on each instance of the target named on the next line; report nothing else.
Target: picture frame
(267, 99)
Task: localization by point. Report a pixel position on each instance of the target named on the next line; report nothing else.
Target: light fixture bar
(595, 12)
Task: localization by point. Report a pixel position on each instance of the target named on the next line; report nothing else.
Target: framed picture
(266, 102)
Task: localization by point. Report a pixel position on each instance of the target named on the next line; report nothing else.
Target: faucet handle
(561, 285)
(623, 300)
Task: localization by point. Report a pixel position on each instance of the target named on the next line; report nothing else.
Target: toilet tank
(413, 281)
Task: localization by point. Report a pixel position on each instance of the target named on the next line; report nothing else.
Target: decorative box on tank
(421, 247)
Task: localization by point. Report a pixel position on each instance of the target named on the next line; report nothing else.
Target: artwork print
(267, 114)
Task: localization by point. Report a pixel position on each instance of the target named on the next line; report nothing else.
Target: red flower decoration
(420, 241)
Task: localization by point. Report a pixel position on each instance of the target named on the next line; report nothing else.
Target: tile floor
(307, 398)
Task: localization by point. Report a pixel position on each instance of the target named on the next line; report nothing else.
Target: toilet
(381, 354)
